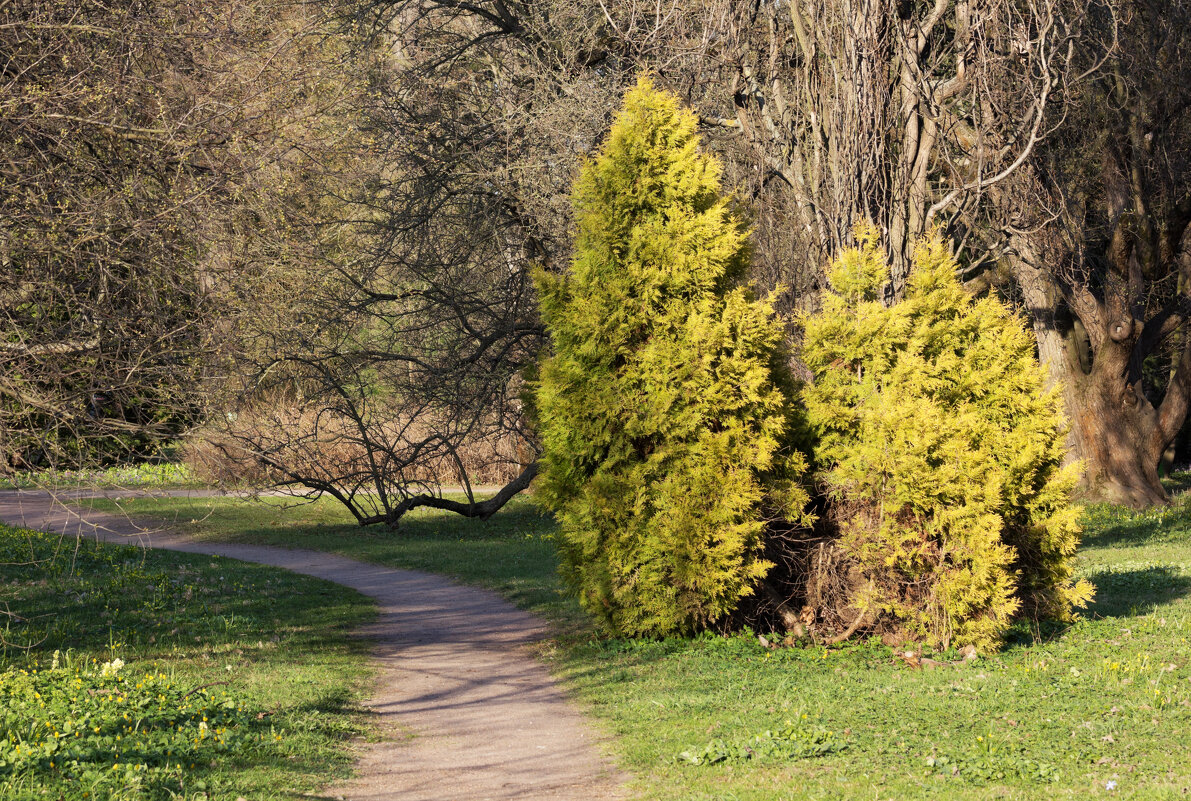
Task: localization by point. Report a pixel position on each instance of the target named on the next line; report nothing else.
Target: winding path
(486, 722)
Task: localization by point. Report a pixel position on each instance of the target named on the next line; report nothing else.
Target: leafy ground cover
(160, 475)
(1101, 708)
(127, 674)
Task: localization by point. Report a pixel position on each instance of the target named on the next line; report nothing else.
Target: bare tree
(824, 111)
(399, 372)
(1100, 252)
(905, 114)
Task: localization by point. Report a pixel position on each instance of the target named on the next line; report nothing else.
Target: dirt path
(486, 720)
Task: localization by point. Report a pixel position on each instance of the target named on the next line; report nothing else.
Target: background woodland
(302, 240)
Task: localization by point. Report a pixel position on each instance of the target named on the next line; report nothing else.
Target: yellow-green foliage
(660, 413)
(941, 451)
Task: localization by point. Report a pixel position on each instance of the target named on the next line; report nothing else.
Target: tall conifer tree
(661, 410)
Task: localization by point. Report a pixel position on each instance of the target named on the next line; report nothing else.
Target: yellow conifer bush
(941, 453)
(664, 409)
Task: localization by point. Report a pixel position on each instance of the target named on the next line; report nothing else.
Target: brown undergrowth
(250, 447)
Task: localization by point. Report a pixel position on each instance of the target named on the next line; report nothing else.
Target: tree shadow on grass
(1127, 592)
(1179, 481)
(1112, 528)
(145, 602)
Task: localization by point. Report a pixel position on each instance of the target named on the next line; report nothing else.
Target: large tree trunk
(1115, 432)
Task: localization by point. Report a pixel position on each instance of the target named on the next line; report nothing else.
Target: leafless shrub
(311, 444)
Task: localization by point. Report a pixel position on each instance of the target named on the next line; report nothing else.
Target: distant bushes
(245, 449)
(668, 420)
(145, 475)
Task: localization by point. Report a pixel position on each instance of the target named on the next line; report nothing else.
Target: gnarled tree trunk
(1117, 432)
(1095, 358)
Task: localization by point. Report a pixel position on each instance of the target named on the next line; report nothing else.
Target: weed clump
(789, 742)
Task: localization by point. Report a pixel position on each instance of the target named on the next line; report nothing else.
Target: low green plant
(119, 731)
(984, 765)
(789, 741)
(127, 674)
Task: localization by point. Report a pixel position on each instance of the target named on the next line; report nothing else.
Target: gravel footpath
(480, 718)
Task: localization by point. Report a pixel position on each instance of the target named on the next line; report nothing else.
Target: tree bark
(1114, 430)
(1117, 434)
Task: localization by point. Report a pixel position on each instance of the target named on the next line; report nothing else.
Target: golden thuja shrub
(941, 452)
(662, 410)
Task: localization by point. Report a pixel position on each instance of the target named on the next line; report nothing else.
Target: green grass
(1061, 712)
(237, 679)
(160, 475)
(512, 552)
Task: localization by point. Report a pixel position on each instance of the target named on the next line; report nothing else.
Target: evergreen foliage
(662, 411)
(941, 451)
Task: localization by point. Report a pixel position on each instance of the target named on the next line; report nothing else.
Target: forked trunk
(1115, 431)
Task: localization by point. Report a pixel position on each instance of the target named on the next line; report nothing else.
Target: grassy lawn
(163, 475)
(1098, 709)
(127, 674)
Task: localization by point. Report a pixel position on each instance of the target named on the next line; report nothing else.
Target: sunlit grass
(1098, 708)
(149, 475)
(131, 674)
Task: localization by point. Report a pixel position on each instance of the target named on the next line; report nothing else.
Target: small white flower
(1111, 784)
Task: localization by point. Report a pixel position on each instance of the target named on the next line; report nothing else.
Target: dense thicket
(107, 154)
(941, 454)
(147, 155)
(661, 411)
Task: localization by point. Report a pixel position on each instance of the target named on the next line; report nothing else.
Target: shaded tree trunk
(1116, 431)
